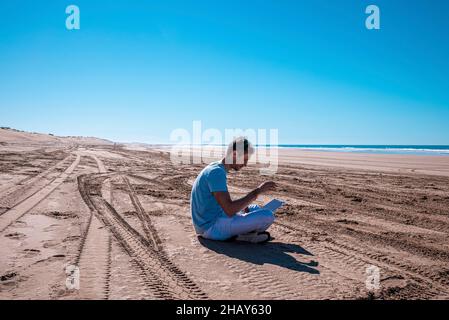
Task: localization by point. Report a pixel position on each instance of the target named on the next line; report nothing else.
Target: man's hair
(238, 144)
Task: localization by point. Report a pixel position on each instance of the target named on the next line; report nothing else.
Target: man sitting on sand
(215, 215)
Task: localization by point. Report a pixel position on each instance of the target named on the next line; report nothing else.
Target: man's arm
(231, 207)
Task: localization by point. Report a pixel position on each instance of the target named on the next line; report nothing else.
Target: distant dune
(13, 136)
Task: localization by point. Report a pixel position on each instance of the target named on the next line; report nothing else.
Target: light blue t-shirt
(203, 206)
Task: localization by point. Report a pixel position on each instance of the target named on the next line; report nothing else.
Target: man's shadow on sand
(275, 253)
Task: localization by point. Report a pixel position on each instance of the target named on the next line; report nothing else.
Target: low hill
(13, 136)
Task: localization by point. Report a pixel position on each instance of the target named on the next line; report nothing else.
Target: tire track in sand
(23, 207)
(162, 277)
(94, 255)
(424, 284)
(147, 225)
(28, 187)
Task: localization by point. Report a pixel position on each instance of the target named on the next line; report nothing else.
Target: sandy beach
(122, 217)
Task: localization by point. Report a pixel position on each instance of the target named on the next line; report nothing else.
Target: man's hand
(266, 187)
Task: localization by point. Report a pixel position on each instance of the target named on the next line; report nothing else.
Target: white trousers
(256, 219)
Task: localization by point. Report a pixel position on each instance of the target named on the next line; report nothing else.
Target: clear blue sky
(136, 70)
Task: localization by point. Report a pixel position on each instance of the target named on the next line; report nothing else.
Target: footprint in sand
(61, 215)
(31, 252)
(71, 238)
(8, 278)
(50, 243)
(15, 236)
(19, 224)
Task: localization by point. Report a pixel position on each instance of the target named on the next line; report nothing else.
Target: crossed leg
(257, 219)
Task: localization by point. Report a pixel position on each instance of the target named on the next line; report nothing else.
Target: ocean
(380, 149)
